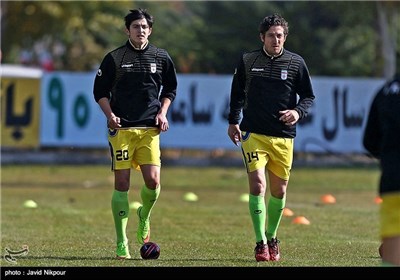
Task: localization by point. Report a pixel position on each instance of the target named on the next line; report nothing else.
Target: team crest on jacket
(99, 73)
(283, 74)
(153, 67)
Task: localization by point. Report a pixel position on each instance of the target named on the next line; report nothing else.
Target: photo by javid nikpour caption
(25, 271)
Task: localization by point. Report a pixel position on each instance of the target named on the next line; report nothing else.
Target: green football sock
(258, 214)
(149, 198)
(120, 210)
(275, 211)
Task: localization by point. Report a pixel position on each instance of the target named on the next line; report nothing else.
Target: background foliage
(336, 38)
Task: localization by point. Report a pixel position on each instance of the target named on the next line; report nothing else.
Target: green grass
(73, 227)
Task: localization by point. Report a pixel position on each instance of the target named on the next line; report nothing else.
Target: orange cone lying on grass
(378, 200)
(287, 212)
(301, 220)
(328, 199)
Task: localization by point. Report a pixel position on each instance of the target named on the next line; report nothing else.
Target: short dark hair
(138, 14)
(273, 20)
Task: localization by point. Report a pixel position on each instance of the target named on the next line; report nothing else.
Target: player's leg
(255, 160)
(148, 157)
(149, 194)
(151, 189)
(119, 199)
(279, 166)
(276, 203)
(390, 228)
(257, 210)
(120, 211)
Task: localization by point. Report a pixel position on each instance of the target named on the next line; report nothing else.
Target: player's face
(139, 32)
(273, 40)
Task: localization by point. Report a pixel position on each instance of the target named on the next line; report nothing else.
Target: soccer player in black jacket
(382, 140)
(134, 87)
(271, 87)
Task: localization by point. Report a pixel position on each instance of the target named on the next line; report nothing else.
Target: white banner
(337, 119)
(71, 118)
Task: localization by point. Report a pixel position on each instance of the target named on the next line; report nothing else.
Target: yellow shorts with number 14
(273, 153)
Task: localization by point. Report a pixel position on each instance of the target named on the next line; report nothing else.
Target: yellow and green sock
(120, 211)
(149, 198)
(258, 215)
(275, 211)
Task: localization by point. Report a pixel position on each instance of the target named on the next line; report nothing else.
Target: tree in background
(388, 19)
(344, 38)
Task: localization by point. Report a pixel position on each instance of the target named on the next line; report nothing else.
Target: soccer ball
(149, 251)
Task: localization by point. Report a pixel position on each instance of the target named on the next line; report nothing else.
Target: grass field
(73, 227)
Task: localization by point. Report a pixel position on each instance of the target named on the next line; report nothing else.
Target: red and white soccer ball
(150, 251)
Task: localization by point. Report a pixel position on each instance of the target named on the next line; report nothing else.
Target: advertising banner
(20, 107)
(198, 117)
(70, 117)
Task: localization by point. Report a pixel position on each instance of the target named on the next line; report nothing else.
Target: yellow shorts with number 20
(134, 147)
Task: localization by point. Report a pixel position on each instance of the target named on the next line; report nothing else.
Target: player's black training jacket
(382, 134)
(263, 85)
(135, 81)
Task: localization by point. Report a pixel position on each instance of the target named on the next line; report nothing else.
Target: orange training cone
(378, 200)
(328, 199)
(287, 212)
(301, 220)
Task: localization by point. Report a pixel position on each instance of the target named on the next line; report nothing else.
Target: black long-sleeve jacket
(263, 85)
(382, 134)
(135, 81)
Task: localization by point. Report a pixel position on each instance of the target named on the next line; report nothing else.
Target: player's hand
(114, 122)
(289, 117)
(162, 122)
(234, 133)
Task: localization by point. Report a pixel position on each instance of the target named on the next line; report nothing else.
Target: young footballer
(272, 89)
(134, 88)
(381, 139)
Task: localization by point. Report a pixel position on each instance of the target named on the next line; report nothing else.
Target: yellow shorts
(273, 153)
(134, 147)
(390, 215)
